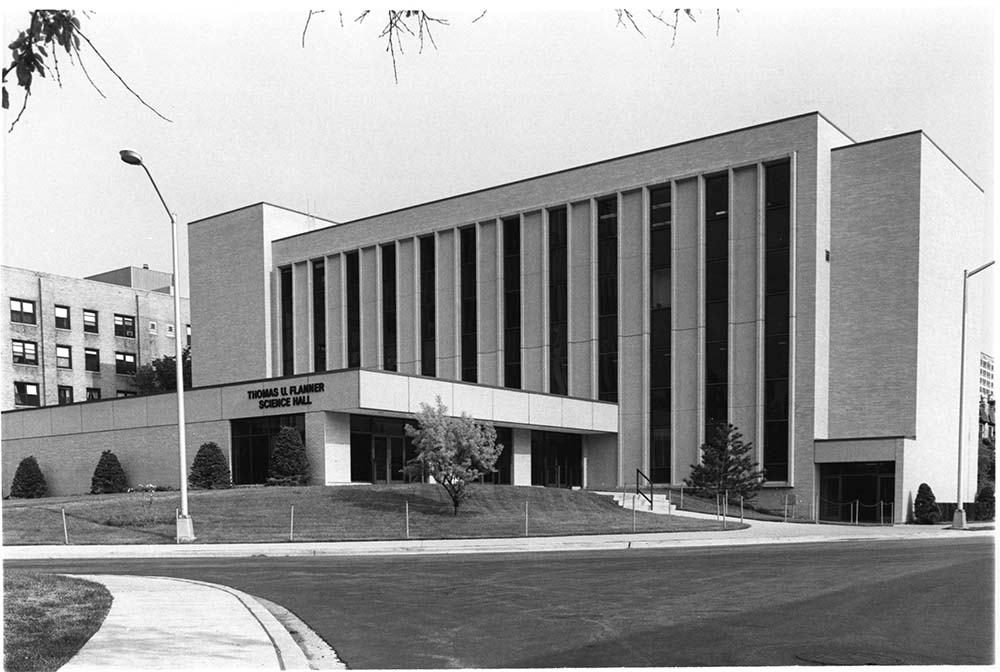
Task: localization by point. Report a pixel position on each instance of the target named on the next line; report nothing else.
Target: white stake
(65, 531)
(407, 519)
(525, 517)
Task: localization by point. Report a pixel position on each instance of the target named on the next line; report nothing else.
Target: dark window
(389, 345)
(25, 352)
(607, 299)
(353, 261)
(558, 313)
(319, 315)
(65, 394)
(287, 324)
(64, 357)
(188, 338)
(512, 302)
(62, 318)
(777, 306)
(93, 393)
(91, 359)
(660, 269)
(90, 324)
(428, 304)
(26, 394)
(253, 444)
(125, 326)
(22, 311)
(716, 303)
(125, 363)
(470, 334)
(125, 393)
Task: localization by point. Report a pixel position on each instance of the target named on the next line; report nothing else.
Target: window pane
(660, 289)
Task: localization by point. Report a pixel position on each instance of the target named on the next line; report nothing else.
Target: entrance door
(857, 490)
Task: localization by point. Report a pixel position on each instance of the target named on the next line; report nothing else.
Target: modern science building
(784, 278)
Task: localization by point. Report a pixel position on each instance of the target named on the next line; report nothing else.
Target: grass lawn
(48, 618)
(362, 512)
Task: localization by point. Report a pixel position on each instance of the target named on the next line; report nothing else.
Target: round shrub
(925, 508)
(29, 483)
(108, 476)
(289, 463)
(209, 469)
(986, 502)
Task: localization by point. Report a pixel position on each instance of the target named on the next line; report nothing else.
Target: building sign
(286, 395)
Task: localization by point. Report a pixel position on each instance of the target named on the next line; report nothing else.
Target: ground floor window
(862, 491)
(253, 443)
(556, 459)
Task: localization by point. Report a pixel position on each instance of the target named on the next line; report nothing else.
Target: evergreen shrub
(209, 469)
(108, 475)
(289, 464)
(29, 483)
(925, 508)
(986, 502)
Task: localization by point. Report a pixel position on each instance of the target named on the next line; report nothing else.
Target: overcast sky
(324, 129)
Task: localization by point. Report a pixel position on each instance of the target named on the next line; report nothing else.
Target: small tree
(726, 466)
(209, 469)
(925, 508)
(29, 483)
(986, 502)
(289, 463)
(108, 475)
(454, 451)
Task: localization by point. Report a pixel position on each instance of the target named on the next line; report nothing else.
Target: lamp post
(959, 519)
(185, 526)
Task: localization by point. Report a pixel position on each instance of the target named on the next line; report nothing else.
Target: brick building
(76, 340)
(782, 277)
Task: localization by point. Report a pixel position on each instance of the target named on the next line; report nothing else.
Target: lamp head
(131, 157)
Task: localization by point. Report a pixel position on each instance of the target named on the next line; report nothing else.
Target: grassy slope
(326, 514)
(48, 618)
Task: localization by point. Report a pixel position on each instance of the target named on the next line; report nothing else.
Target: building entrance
(253, 443)
(556, 459)
(379, 449)
(862, 490)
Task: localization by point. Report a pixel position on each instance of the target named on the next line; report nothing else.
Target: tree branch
(115, 73)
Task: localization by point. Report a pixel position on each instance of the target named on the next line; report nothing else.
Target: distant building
(74, 339)
(985, 375)
(988, 419)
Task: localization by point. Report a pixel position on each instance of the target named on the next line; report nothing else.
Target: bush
(289, 464)
(925, 508)
(108, 476)
(209, 469)
(986, 502)
(29, 483)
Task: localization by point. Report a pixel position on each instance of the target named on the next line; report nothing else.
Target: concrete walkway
(160, 623)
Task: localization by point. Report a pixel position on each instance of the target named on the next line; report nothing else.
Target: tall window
(65, 394)
(25, 352)
(89, 321)
(62, 317)
(660, 263)
(23, 311)
(716, 303)
(287, 326)
(558, 311)
(26, 394)
(607, 299)
(512, 302)
(319, 315)
(777, 196)
(91, 360)
(389, 341)
(428, 335)
(64, 357)
(125, 326)
(467, 264)
(125, 363)
(353, 266)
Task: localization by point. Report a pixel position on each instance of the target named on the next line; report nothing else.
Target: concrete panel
(488, 302)
(743, 378)
(686, 392)
(370, 317)
(510, 407)
(686, 443)
(601, 460)
(474, 400)
(13, 426)
(534, 375)
(427, 390)
(577, 414)
(521, 457)
(301, 300)
(407, 302)
(859, 450)
(38, 423)
(489, 364)
(129, 412)
(202, 405)
(631, 442)
(383, 391)
(315, 444)
(161, 409)
(582, 356)
(632, 300)
(98, 417)
(66, 419)
(686, 255)
(544, 410)
(533, 289)
(582, 304)
(337, 454)
(446, 279)
(336, 343)
(631, 390)
(743, 233)
(605, 417)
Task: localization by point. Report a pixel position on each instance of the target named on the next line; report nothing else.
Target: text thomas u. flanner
(278, 397)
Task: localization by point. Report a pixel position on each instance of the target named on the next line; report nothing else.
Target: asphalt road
(897, 602)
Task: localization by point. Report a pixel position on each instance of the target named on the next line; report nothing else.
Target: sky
(325, 129)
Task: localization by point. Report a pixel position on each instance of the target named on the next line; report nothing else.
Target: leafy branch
(51, 30)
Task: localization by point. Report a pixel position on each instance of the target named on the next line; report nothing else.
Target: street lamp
(185, 526)
(959, 519)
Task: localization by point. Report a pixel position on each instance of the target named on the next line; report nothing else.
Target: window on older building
(93, 393)
(22, 310)
(26, 394)
(91, 359)
(125, 326)
(89, 321)
(25, 352)
(62, 317)
(125, 363)
(65, 394)
(64, 357)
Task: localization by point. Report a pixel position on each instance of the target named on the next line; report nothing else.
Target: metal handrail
(638, 491)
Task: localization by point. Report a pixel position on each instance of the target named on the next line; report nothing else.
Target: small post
(682, 496)
(65, 530)
(291, 524)
(718, 508)
(525, 517)
(857, 512)
(725, 505)
(741, 508)
(892, 513)
(668, 502)
(633, 513)
(407, 519)
(786, 508)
